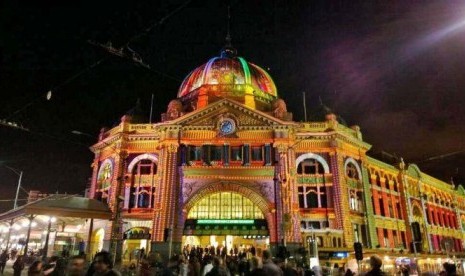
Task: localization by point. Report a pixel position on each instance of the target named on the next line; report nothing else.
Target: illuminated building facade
(228, 166)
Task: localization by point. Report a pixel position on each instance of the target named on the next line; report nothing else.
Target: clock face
(227, 126)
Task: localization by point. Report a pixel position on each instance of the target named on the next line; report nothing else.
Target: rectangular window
(236, 154)
(363, 229)
(386, 238)
(395, 238)
(310, 167)
(206, 154)
(267, 154)
(391, 210)
(402, 236)
(381, 206)
(215, 153)
(257, 154)
(246, 155)
(226, 155)
(399, 211)
(315, 224)
(195, 153)
(323, 197)
(300, 191)
(356, 233)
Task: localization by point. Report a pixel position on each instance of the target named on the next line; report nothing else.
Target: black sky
(393, 67)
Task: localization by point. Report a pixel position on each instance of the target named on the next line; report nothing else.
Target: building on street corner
(228, 167)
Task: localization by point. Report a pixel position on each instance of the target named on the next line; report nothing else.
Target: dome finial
(228, 50)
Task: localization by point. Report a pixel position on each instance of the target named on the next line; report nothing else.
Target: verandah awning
(61, 206)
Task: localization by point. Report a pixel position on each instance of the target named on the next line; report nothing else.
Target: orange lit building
(228, 166)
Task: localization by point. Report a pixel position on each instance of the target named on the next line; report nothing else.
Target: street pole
(17, 190)
(47, 237)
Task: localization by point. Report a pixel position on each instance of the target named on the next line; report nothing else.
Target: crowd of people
(192, 262)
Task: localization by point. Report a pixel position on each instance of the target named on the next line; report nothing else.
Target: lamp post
(20, 174)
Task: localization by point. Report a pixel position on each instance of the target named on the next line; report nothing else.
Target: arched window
(351, 171)
(225, 205)
(104, 178)
(141, 194)
(310, 166)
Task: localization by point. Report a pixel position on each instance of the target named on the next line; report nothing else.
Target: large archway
(418, 217)
(226, 222)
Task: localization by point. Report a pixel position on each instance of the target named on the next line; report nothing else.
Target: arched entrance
(225, 223)
(418, 217)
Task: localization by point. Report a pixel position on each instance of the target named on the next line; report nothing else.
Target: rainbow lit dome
(229, 74)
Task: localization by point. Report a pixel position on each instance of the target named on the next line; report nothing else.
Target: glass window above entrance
(225, 205)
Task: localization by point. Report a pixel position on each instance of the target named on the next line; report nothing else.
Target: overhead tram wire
(127, 53)
(49, 93)
(118, 52)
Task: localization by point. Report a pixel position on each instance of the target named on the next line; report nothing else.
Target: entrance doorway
(226, 245)
(136, 244)
(225, 223)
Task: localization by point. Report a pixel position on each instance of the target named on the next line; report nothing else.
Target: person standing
(76, 266)
(102, 265)
(18, 266)
(3, 259)
(375, 264)
(36, 268)
(269, 267)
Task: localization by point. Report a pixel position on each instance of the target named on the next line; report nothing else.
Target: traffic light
(358, 251)
(166, 234)
(416, 232)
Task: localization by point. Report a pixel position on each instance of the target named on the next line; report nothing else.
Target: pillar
(341, 199)
(165, 215)
(369, 212)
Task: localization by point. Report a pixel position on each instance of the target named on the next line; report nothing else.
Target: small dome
(229, 69)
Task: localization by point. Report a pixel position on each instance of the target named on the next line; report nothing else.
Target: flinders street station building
(228, 167)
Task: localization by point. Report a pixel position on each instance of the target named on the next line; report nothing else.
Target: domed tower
(228, 76)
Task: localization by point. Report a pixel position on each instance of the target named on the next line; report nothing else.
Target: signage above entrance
(225, 221)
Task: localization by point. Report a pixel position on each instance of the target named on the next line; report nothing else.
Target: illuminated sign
(340, 254)
(225, 221)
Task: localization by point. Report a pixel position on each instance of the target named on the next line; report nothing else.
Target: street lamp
(20, 174)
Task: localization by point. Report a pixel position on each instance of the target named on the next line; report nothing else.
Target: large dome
(229, 76)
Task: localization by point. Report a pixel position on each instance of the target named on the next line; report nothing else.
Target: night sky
(395, 68)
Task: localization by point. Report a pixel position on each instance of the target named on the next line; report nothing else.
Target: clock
(227, 126)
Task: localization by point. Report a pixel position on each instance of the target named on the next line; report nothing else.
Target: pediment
(245, 117)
